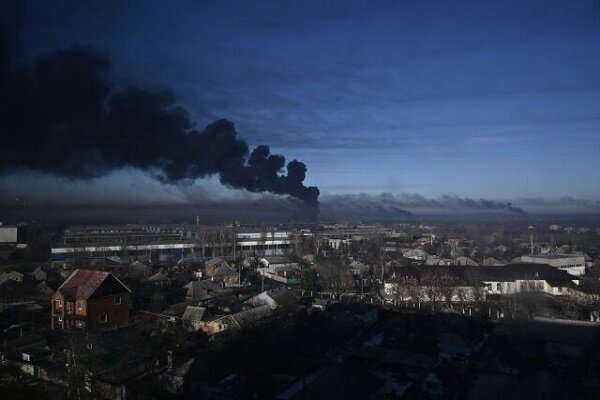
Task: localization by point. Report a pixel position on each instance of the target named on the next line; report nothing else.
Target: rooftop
(82, 284)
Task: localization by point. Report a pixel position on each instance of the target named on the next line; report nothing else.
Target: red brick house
(92, 300)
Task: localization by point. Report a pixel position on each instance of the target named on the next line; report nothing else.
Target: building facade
(91, 300)
(573, 264)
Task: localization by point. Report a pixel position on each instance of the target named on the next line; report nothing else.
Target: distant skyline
(483, 99)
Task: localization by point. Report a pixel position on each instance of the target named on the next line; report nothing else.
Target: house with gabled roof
(192, 318)
(225, 275)
(91, 300)
(214, 263)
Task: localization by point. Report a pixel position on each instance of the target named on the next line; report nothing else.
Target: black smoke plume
(62, 116)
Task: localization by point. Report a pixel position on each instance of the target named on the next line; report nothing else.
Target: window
(59, 318)
(499, 287)
(80, 305)
(118, 299)
(58, 303)
(103, 318)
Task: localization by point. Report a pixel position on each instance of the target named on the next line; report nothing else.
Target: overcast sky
(494, 99)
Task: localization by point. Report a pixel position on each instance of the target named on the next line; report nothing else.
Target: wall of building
(118, 314)
(573, 264)
(8, 234)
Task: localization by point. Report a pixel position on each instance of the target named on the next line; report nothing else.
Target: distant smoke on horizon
(62, 116)
(209, 198)
(405, 204)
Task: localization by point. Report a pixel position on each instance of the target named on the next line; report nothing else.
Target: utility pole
(454, 251)
(362, 284)
(530, 227)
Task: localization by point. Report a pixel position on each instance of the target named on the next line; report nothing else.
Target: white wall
(8, 234)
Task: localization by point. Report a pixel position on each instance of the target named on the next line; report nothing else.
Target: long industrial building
(162, 241)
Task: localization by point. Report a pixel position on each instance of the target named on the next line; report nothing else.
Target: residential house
(279, 297)
(492, 262)
(225, 275)
(192, 318)
(436, 260)
(11, 275)
(93, 300)
(159, 279)
(463, 260)
(249, 318)
(39, 274)
(214, 263)
(415, 254)
(202, 290)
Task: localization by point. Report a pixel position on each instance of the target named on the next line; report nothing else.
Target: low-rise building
(573, 264)
(225, 275)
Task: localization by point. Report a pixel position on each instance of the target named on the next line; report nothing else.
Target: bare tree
(317, 242)
(400, 293)
(414, 290)
(474, 280)
(431, 284)
(335, 275)
(447, 288)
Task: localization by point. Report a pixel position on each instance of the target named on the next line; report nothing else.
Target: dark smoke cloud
(62, 116)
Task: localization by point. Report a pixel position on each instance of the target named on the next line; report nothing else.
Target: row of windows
(59, 303)
(498, 286)
(103, 318)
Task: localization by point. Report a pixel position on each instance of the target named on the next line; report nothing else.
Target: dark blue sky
(495, 99)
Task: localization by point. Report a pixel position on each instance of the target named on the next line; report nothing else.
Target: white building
(573, 264)
(8, 234)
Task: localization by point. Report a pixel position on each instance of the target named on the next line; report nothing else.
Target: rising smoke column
(62, 116)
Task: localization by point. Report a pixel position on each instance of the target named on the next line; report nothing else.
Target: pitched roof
(510, 272)
(223, 270)
(213, 261)
(82, 283)
(193, 313)
(252, 316)
(159, 276)
(199, 289)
